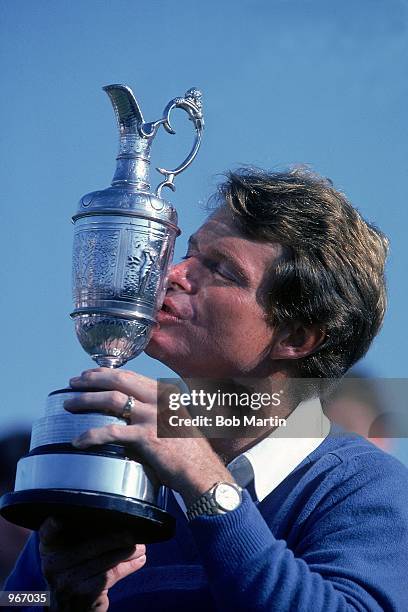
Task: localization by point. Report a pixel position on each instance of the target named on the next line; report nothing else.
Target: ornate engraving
(94, 262)
(112, 338)
(195, 97)
(87, 199)
(142, 266)
(158, 276)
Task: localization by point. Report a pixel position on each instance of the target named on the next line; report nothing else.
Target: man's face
(213, 323)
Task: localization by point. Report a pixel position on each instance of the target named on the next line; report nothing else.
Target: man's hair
(332, 271)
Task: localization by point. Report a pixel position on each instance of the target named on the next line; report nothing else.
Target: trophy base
(30, 508)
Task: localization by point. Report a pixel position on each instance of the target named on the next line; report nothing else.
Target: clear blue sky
(320, 82)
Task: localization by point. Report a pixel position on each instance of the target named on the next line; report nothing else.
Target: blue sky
(284, 81)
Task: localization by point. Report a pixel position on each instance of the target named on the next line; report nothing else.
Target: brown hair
(333, 271)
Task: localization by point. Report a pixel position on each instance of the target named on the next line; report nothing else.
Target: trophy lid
(130, 192)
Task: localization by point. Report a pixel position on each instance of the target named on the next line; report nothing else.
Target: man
(13, 446)
(285, 279)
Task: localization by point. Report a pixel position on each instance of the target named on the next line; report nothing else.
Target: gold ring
(127, 408)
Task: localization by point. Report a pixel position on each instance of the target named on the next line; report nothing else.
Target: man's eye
(220, 269)
(214, 266)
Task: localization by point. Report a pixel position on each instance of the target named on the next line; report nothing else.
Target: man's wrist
(195, 486)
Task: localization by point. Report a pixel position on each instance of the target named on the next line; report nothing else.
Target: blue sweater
(332, 536)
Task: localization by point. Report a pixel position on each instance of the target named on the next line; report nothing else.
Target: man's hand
(80, 570)
(187, 465)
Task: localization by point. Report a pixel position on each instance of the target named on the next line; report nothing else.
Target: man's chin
(158, 347)
(152, 349)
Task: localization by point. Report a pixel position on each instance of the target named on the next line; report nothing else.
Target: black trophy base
(102, 511)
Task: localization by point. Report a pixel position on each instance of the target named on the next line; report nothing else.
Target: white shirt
(272, 459)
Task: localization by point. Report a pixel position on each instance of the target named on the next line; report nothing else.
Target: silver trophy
(123, 246)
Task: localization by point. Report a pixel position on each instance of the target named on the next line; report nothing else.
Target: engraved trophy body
(123, 246)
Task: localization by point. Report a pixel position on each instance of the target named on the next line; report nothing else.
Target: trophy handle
(192, 104)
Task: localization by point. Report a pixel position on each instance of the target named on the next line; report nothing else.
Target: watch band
(206, 504)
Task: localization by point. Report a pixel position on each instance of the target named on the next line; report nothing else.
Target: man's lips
(173, 311)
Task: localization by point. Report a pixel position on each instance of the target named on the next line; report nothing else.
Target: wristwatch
(223, 497)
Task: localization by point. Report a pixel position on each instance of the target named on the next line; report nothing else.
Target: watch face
(227, 496)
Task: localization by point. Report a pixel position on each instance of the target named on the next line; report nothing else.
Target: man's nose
(181, 277)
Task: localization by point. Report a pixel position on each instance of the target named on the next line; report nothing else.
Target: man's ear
(296, 340)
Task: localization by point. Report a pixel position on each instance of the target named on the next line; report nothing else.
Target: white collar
(272, 459)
